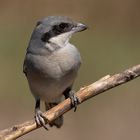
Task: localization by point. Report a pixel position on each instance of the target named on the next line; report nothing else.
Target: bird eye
(61, 28)
(63, 25)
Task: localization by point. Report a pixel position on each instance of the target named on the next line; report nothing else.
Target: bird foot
(74, 99)
(40, 118)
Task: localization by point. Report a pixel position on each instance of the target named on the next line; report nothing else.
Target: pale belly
(50, 89)
(49, 77)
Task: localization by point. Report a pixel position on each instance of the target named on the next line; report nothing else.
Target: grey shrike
(51, 64)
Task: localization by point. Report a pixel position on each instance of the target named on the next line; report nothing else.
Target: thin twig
(83, 94)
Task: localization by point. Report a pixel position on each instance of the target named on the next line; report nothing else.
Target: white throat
(62, 39)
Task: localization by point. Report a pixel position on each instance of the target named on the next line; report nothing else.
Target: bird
(52, 63)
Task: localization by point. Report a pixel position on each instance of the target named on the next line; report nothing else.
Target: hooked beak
(79, 27)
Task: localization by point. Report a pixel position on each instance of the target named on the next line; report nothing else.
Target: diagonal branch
(83, 94)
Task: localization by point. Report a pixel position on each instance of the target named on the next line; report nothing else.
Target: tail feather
(57, 122)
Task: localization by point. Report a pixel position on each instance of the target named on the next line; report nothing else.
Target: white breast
(55, 73)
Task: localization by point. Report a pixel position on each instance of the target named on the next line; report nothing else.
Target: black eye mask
(56, 30)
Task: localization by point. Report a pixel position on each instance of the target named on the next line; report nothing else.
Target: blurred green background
(111, 45)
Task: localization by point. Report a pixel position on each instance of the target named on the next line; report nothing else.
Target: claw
(74, 100)
(40, 119)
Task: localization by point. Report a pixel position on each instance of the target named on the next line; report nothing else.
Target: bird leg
(69, 93)
(39, 118)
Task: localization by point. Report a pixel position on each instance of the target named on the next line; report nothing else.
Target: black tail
(59, 121)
